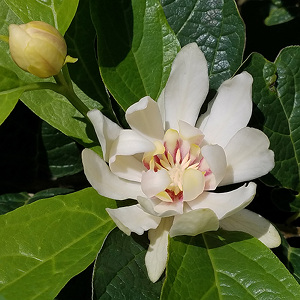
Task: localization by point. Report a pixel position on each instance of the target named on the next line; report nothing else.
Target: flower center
(178, 157)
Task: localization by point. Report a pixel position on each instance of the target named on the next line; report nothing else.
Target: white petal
(107, 131)
(254, 224)
(157, 254)
(194, 222)
(248, 156)
(187, 87)
(166, 209)
(123, 160)
(225, 204)
(231, 110)
(190, 133)
(133, 219)
(155, 182)
(193, 184)
(144, 117)
(215, 158)
(104, 181)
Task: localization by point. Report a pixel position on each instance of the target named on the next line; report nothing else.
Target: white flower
(170, 161)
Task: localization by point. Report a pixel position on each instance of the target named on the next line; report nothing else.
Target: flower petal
(155, 182)
(225, 204)
(156, 207)
(144, 117)
(194, 222)
(254, 224)
(193, 184)
(157, 254)
(231, 110)
(187, 87)
(104, 181)
(248, 156)
(107, 131)
(214, 157)
(123, 161)
(133, 219)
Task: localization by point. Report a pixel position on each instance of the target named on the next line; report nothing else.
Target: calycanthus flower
(171, 161)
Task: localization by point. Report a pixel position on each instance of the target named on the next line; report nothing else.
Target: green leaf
(10, 91)
(80, 39)
(225, 265)
(58, 13)
(276, 97)
(11, 201)
(63, 155)
(290, 256)
(136, 48)
(121, 264)
(281, 12)
(46, 243)
(216, 26)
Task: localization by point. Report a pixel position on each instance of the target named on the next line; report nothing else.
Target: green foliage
(63, 154)
(276, 89)
(48, 105)
(46, 243)
(58, 13)
(216, 27)
(120, 272)
(223, 265)
(136, 48)
(281, 11)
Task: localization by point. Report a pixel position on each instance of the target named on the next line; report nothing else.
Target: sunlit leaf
(46, 243)
(225, 265)
(136, 48)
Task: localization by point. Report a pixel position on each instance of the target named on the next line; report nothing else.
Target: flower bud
(38, 48)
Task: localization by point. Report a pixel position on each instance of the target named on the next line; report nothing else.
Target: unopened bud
(38, 48)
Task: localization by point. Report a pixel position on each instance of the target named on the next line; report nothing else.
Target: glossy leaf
(136, 48)
(225, 265)
(58, 13)
(276, 90)
(63, 155)
(217, 28)
(11, 201)
(120, 272)
(46, 243)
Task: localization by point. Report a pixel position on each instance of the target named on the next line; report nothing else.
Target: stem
(65, 88)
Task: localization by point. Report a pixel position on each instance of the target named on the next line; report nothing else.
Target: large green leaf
(216, 27)
(58, 13)
(136, 48)
(46, 243)
(121, 264)
(225, 265)
(276, 95)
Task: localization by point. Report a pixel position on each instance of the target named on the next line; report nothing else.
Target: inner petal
(193, 184)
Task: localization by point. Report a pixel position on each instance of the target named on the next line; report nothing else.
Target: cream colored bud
(37, 48)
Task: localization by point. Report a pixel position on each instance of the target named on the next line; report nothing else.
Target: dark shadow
(214, 239)
(114, 27)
